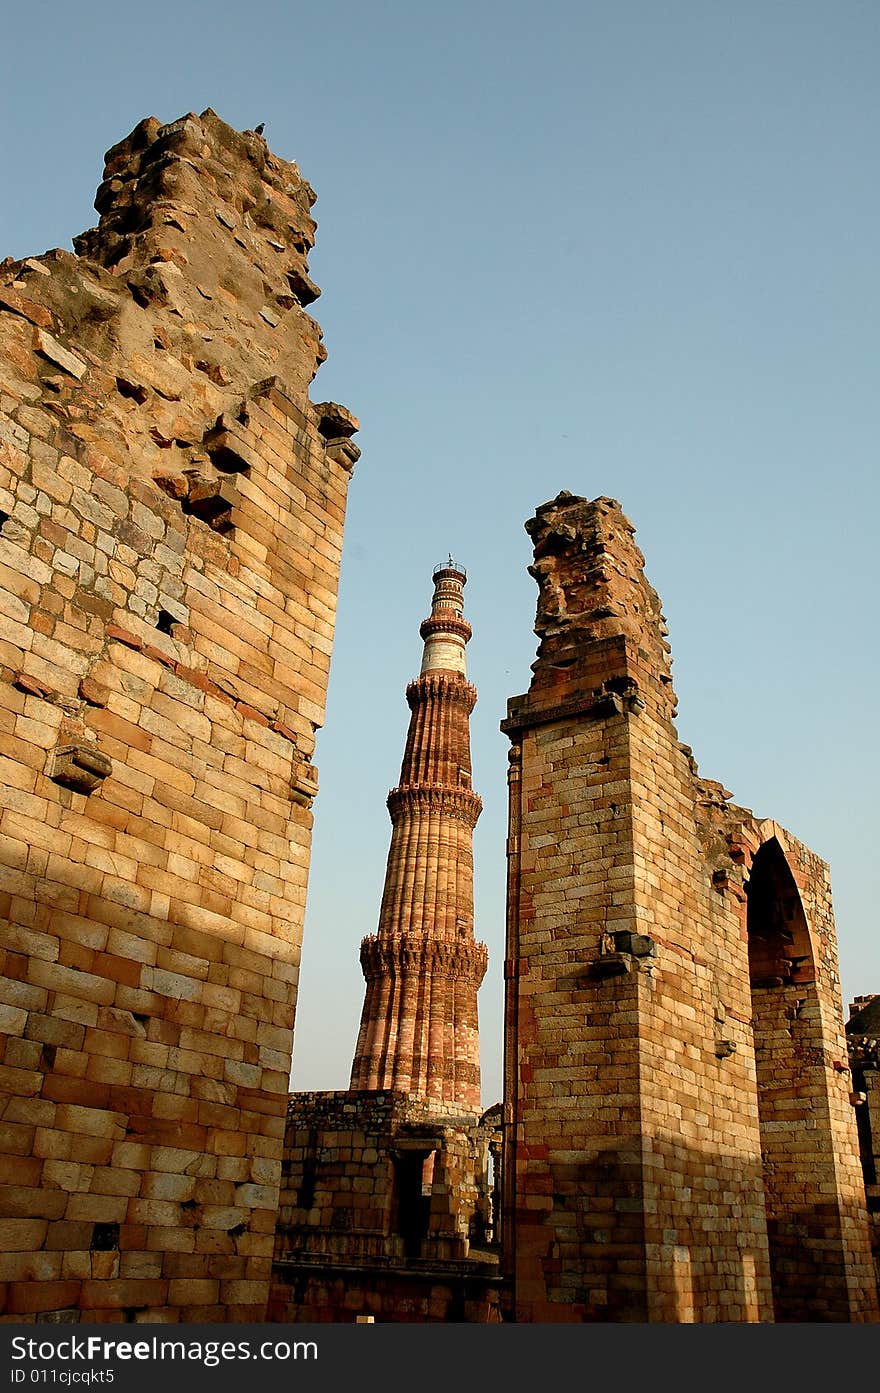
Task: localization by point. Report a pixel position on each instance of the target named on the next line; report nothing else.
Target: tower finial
(446, 631)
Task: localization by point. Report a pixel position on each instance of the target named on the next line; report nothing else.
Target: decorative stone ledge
(601, 703)
(395, 957)
(441, 685)
(460, 803)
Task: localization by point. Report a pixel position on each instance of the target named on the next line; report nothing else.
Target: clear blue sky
(623, 248)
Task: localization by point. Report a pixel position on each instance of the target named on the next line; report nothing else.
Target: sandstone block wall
(863, 1029)
(171, 514)
(679, 1136)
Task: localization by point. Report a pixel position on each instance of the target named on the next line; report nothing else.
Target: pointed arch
(781, 948)
(803, 1221)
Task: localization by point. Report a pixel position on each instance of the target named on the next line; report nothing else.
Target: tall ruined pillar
(423, 968)
(679, 1135)
(171, 516)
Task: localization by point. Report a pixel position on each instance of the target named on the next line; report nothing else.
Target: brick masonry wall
(863, 1028)
(706, 1230)
(172, 507)
(635, 1114)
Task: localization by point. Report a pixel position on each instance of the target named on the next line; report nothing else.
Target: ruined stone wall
(380, 1202)
(815, 1204)
(863, 1029)
(171, 514)
(635, 1120)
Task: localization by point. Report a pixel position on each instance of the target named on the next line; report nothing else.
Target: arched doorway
(803, 1217)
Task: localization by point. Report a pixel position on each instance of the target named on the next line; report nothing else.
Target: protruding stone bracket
(709, 793)
(624, 951)
(211, 498)
(344, 453)
(626, 688)
(304, 783)
(725, 880)
(725, 1048)
(207, 489)
(612, 965)
(334, 421)
(80, 767)
(203, 492)
(229, 448)
(337, 425)
(608, 704)
(49, 347)
(637, 945)
(32, 686)
(302, 287)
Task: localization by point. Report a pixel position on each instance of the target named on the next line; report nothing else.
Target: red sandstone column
(424, 956)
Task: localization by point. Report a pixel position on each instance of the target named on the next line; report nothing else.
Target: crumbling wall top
(592, 587)
(178, 307)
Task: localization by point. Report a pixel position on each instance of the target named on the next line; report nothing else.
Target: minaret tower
(419, 1030)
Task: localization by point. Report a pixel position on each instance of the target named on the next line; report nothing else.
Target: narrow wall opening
(803, 1221)
(412, 1204)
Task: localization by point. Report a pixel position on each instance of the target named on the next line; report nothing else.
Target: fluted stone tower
(419, 1031)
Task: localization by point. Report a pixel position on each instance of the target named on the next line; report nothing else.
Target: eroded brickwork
(678, 1126)
(172, 508)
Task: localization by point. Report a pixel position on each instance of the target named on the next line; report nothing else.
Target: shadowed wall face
(815, 1193)
(172, 508)
(639, 1147)
(863, 1029)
